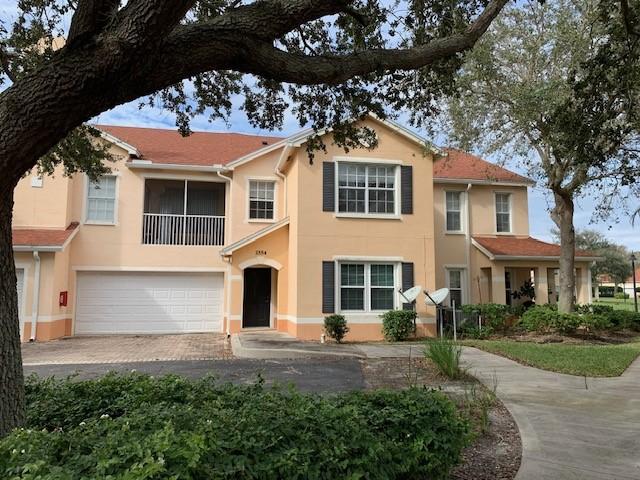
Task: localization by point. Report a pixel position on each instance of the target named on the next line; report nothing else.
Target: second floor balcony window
(367, 189)
(183, 212)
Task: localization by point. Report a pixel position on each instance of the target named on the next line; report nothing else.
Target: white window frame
(85, 213)
(367, 285)
(495, 212)
(463, 283)
(272, 180)
(463, 210)
(367, 162)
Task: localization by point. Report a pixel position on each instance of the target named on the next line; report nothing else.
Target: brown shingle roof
(200, 148)
(42, 237)
(523, 247)
(462, 165)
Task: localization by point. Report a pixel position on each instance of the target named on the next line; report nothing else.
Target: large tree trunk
(563, 217)
(12, 400)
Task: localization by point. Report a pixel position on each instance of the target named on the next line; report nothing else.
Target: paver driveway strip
(571, 427)
(127, 348)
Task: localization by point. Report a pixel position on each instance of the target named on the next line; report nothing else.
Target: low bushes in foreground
(135, 426)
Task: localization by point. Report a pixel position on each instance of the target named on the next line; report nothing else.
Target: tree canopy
(64, 61)
(557, 85)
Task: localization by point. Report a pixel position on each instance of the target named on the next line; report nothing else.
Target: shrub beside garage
(135, 426)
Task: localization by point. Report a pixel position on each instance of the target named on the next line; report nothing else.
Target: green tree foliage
(615, 258)
(557, 85)
(62, 62)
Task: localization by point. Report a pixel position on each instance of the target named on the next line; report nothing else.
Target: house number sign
(261, 252)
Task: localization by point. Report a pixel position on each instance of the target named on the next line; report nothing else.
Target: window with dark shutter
(406, 189)
(328, 187)
(328, 287)
(407, 282)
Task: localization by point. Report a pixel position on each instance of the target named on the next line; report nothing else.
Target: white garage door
(116, 302)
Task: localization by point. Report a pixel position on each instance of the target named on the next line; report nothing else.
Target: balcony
(183, 212)
(166, 229)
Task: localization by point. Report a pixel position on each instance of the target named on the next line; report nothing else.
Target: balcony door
(183, 212)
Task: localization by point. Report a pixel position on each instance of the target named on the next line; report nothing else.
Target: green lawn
(589, 360)
(617, 303)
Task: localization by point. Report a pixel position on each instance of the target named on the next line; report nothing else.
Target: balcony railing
(166, 229)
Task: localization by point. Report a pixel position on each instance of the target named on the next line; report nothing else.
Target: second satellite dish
(437, 297)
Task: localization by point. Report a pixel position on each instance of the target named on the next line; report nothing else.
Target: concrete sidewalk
(276, 345)
(571, 427)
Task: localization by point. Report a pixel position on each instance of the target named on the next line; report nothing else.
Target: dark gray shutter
(328, 287)
(406, 189)
(328, 187)
(407, 281)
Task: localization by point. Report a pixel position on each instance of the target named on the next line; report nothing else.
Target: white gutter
(227, 227)
(284, 155)
(148, 165)
(36, 297)
(472, 181)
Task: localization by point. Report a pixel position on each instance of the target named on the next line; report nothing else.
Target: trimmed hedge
(546, 318)
(135, 426)
(335, 326)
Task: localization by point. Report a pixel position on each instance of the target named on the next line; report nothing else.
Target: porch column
(541, 285)
(497, 284)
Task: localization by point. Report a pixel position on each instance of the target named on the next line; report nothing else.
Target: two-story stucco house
(221, 232)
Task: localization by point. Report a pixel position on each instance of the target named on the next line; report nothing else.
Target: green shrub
(493, 315)
(138, 427)
(606, 292)
(335, 326)
(473, 331)
(595, 322)
(538, 319)
(566, 323)
(397, 325)
(624, 319)
(621, 295)
(445, 354)
(601, 309)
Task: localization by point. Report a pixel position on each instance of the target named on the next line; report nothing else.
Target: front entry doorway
(256, 306)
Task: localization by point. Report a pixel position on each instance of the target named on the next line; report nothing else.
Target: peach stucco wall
(321, 236)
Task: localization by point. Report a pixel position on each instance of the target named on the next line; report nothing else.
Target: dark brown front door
(256, 306)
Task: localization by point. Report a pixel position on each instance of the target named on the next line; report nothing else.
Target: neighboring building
(219, 232)
(605, 280)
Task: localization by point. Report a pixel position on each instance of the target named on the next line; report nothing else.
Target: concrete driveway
(126, 348)
(571, 427)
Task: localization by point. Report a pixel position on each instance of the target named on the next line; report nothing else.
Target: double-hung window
(455, 286)
(367, 189)
(453, 211)
(261, 200)
(101, 200)
(367, 286)
(503, 212)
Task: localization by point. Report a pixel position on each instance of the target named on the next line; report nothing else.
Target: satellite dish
(411, 294)
(437, 297)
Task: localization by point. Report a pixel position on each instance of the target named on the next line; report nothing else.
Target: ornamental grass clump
(445, 355)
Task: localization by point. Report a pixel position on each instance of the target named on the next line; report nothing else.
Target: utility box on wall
(63, 299)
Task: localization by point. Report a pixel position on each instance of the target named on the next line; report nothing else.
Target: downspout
(227, 233)
(278, 170)
(36, 297)
(468, 241)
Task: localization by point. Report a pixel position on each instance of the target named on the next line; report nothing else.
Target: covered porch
(521, 270)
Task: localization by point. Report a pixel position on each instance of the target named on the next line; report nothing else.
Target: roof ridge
(168, 129)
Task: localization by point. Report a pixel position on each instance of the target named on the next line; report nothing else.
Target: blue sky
(540, 223)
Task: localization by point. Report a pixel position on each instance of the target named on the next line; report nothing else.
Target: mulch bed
(494, 455)
(601, 338)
